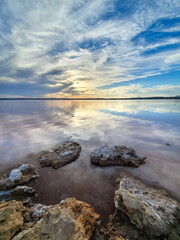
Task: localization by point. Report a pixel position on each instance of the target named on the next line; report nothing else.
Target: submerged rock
(11, 219)
(22, 174)
(116, 156)
(72, 220)
(61, 155)
(151, 211)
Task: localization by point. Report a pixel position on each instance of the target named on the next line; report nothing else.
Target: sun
(76, 84)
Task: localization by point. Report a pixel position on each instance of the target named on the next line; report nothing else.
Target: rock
(168, 144)
(39, 210)
(72, 220)
(35, 212)
(76, 220)
(117, 238)
(11, 219)
(22, 174)
(116, 156)
(102, 233)
(151, 211)
(22, 191)
(61, 155)
(30, 233)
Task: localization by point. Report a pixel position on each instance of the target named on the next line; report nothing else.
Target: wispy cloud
(70, 48)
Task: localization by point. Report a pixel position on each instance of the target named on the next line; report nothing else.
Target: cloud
(138, 90)
(86, 44)
(30, 89)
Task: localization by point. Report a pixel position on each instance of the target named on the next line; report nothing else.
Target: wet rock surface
(116, 156)
(19, 191)
(18, 176)
(70, 220)
(11, 219)
(12, 183)
(143, 212)
(61, 155)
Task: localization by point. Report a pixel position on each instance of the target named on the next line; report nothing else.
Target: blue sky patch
(164, 79)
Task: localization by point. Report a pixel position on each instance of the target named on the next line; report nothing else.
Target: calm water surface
(27, 127)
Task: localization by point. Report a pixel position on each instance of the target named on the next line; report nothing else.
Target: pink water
(27, 127)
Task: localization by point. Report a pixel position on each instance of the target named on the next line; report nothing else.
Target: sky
(89, 48)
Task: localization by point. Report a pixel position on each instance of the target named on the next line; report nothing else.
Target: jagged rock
(115, 156)
(22, 191)
(11, 219)
(102, 233)
(151, 211)
(22, 174)
(31, 233)
(35, 213)
(61, 155)
(72, 220)
(39, 210)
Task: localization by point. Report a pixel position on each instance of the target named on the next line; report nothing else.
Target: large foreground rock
(18, 176)
(71, 220)
(61, 155)
(115, 156)
(152, 211)
(11, 219)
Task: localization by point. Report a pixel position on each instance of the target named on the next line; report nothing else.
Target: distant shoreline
(139, 98)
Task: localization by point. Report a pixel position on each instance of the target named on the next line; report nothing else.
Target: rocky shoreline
(141, 212)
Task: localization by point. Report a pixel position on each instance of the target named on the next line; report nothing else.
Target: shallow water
(27, 127)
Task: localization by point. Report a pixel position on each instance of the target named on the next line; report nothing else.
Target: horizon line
(132, 98)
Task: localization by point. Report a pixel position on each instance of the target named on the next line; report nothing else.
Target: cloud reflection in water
(31, 126)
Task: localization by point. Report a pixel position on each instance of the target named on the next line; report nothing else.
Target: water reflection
(31, 126)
